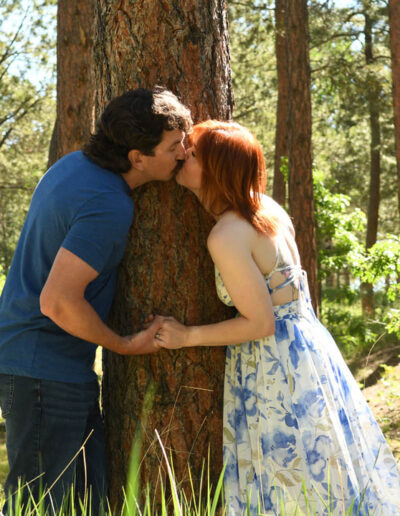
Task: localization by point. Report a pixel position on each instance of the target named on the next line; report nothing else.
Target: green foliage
(341, 253)
(339, 228)
(392, 321)
(251, 41)
(382, 260)
(342, 315)
(27, 81)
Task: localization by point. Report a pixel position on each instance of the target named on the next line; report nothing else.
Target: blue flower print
(291, 421)
(317, 465)
(237, 420)
(317, 457)
(294, 356)
(311, 403)
(340, 380)
(282, 440)
(269, 497)
(296, 346)
(247, 395)
(281, 448)
(281, 331)
(344, 421)
(266, 443)
(231, 465)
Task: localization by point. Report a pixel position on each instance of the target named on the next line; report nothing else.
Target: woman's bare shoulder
(276, 209)
(231, 227)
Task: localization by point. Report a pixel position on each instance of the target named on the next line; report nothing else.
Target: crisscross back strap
(292, 272)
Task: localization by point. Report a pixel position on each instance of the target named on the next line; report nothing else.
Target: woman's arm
(230, 248)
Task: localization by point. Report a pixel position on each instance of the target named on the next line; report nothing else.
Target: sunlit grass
(137, 499)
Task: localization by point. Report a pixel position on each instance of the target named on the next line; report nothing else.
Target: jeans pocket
(6, 393)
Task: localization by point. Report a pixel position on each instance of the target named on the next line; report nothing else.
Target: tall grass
(173, 499)
(206, 500)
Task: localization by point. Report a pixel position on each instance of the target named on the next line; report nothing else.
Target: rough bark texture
(183, 45)
(301, 197)
(279, 187)
(394, 23)
(75, 87)
(373, 93)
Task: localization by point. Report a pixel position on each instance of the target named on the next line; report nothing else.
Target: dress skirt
(298, 433)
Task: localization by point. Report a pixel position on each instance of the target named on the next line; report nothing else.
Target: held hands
(143, 342)
(170, 333)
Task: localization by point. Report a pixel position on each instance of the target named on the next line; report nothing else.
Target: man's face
(169, 156)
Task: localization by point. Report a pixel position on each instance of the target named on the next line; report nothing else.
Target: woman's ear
(136, 159)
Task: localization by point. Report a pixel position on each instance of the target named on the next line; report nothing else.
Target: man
(59, 290)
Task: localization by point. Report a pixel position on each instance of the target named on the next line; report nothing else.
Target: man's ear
(136, 159)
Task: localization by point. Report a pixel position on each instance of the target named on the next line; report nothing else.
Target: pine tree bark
(75, 86)
(394, 24)
(166, 269)
(279, 186)
(373, 93)
(301, 196)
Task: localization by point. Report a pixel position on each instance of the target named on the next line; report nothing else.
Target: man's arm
(63, 301)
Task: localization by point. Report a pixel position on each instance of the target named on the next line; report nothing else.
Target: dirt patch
(384, 395)
(368, 369)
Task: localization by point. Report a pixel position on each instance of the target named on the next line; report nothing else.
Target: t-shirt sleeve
(100, 225)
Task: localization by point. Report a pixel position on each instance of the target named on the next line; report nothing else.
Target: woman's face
(190, 174)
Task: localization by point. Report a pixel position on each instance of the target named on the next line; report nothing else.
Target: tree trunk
(279, 187)
(373, 92)
(301, 196)
(75, 86)
(394, 23)
(166, 269)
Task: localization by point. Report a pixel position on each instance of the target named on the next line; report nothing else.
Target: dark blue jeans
(47, 423)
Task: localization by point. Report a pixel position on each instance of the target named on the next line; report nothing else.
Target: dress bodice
(291, 274)
(221, 289)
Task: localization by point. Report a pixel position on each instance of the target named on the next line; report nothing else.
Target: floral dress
(299, 437)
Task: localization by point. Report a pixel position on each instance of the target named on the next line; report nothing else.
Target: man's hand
(143, 342)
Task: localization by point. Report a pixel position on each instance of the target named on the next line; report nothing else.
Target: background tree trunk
(301, 196)
(75, 87)
(394, 23)
(184, 46)
(373, 93)
(279, 187)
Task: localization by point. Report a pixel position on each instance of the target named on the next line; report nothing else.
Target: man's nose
(181, 152)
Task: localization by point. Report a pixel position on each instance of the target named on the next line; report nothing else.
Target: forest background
(354, 158)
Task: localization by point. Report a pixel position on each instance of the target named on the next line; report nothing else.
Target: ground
(382, 391)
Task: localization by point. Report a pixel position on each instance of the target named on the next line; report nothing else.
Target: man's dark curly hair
(135, 120)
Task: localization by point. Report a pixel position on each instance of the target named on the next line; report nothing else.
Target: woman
(296, 426)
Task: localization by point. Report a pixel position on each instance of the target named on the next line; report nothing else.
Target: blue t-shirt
(87, 210)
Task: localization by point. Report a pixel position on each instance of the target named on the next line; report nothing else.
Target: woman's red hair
(234, 175)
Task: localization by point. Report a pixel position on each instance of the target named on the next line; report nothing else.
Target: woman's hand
(172, 334)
